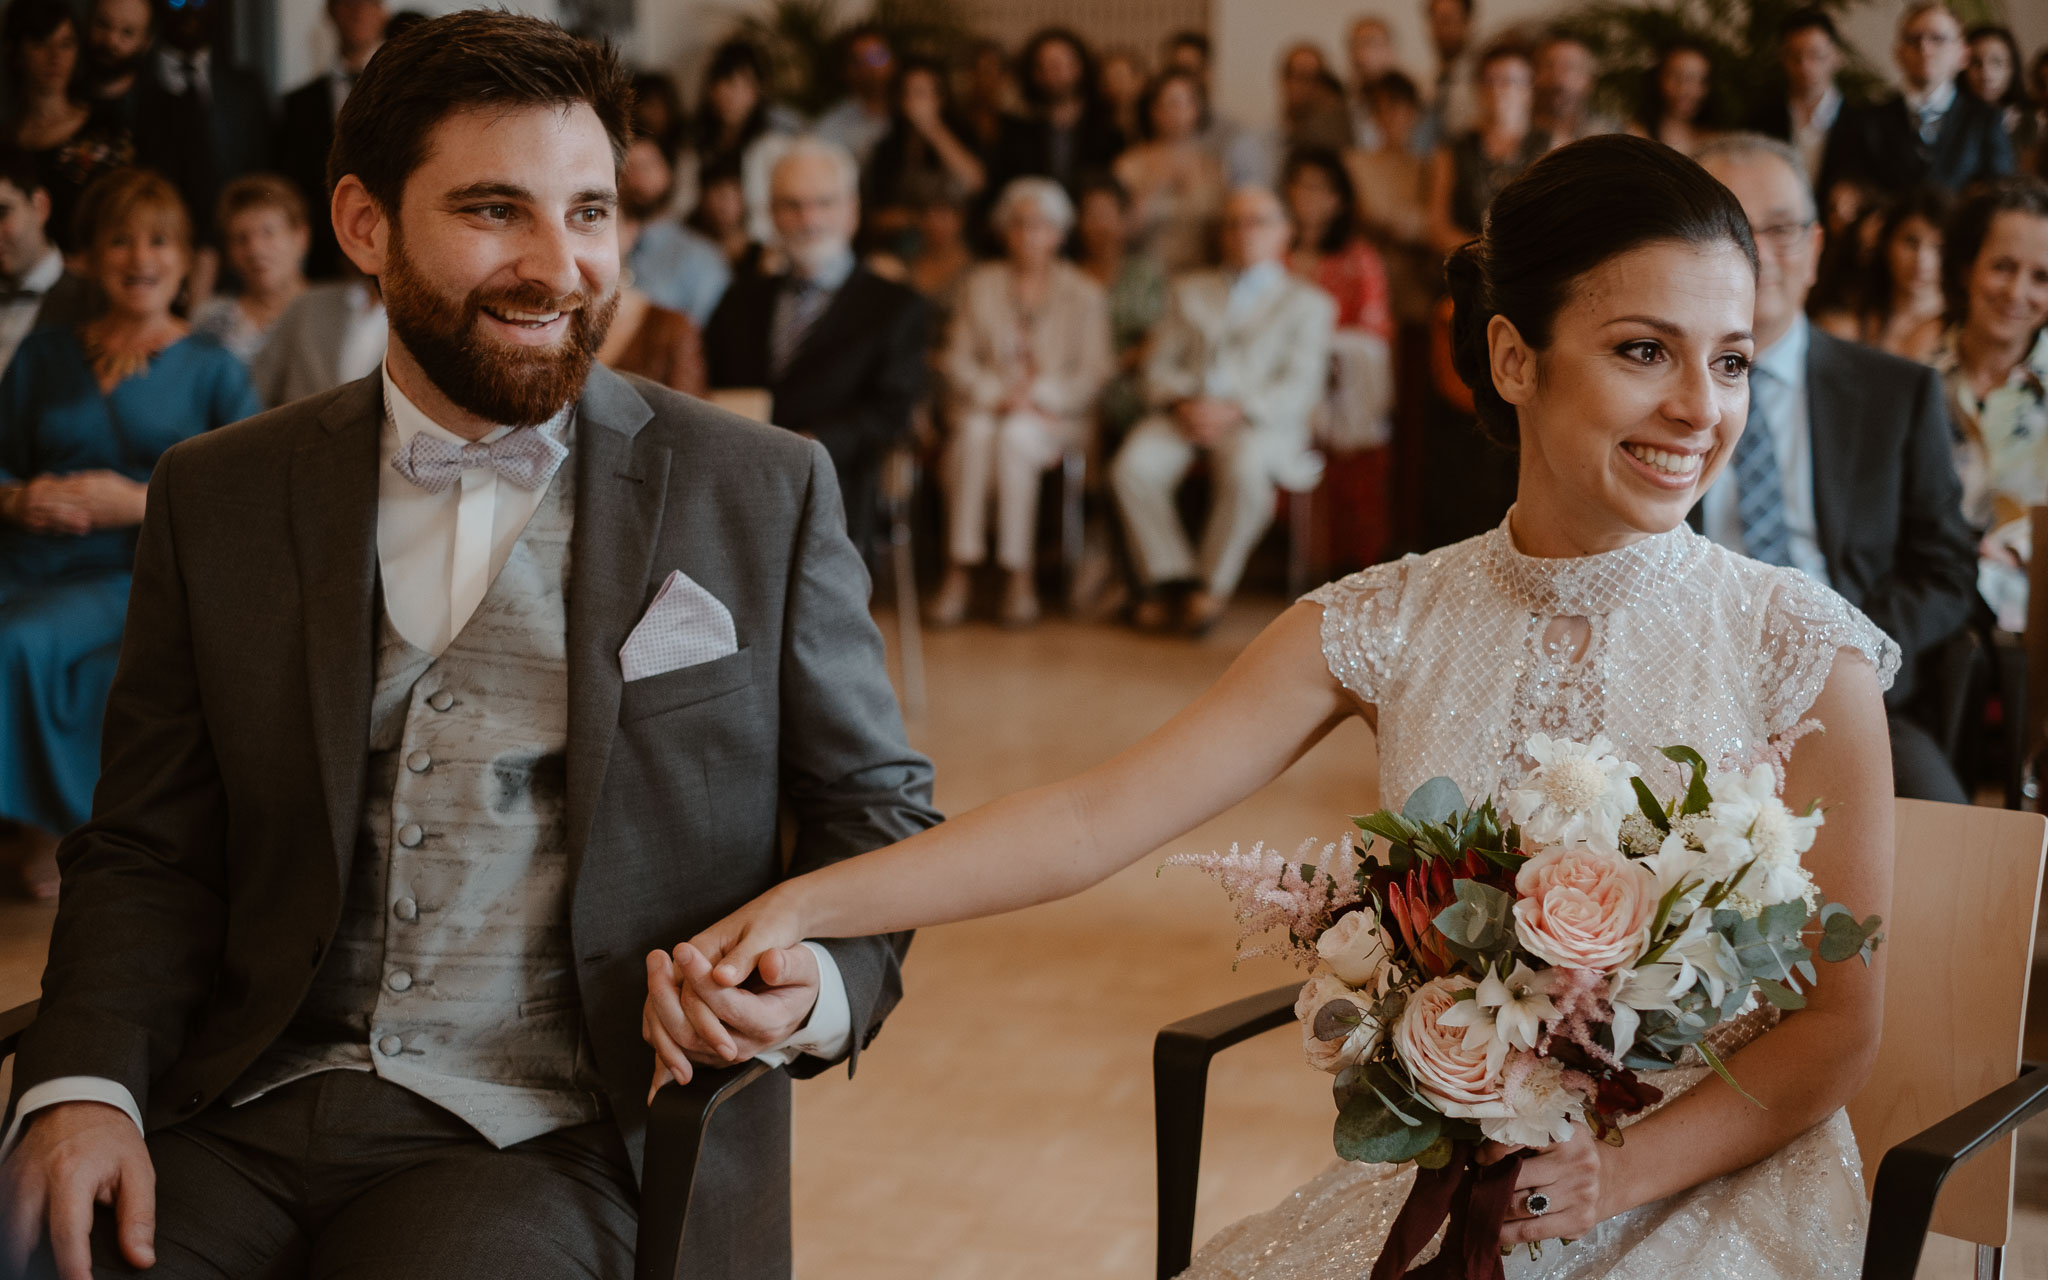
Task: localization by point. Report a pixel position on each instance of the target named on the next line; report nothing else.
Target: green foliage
(1652, 810)
(1843, 936)
(1721, 1070)
(1697, 797)
(1437, 800)
(1480, 925)
(1374, 1128)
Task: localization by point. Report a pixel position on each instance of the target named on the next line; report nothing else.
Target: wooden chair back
(2035, 700)
(1959, 944)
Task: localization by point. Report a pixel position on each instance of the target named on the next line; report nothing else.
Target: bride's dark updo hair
(1572, 210)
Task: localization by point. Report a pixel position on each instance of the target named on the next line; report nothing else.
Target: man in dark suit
(1933, 131)
(1804, 109)
(200, 120)
(840, 350)
(1844, 468)
(306, 127)
(446, 698)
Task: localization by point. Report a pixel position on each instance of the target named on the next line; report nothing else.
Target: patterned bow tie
(528, 457)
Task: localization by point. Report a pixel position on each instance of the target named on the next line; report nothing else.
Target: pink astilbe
(1581, 999)
(1270, 892)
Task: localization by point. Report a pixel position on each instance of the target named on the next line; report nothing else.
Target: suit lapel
(846, 304)
(1832, 429)
(334, 533)
(621, 486)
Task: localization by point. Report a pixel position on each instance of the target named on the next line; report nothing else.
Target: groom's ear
(360, 225)
(1512, 361)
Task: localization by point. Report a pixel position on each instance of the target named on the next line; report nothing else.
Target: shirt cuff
(829, 1030)
(97, 1089)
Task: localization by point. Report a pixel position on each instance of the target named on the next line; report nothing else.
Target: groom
(445, 698)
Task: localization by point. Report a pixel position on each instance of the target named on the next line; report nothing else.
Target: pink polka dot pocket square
(685, 626)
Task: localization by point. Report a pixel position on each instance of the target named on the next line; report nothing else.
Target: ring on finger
(1536, 1204)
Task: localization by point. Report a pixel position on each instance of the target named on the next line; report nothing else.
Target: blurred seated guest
(1312, 113)
(2034, 159)
(1026, 355)
(656, 342)
(923, 151)
(200, 120)
(841, 351)
(1237, 368)
(1454, 97)
(1565, 71)
(1842, 471)
(738, 126)
(1678, 98)
(1136, 290)
(940, 257)
(1992, 76)
(985, 96)
(262, 220)
(306, 121)
(1066, 132)
(1804, 110)
(1370, 48)
(1898, 307)
(1120, 81)
(1472, 167)
(860, 119)
(670, 263)
(333, 334)
(35, 289)
(84, 414)
(1353, 422)
(47, 116)
(1994, 271)
(658, 116)
(1174, 179)
(1391, 183)
(117, 39)
(1928, 132)
(721, 218)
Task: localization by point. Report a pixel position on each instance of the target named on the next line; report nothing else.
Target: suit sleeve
(879, 415)
(851, 780)
(1171, 372)
(1293, 387)
(1932, 587)
(141, 927)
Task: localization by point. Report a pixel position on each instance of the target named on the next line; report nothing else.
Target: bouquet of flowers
(1504, 972)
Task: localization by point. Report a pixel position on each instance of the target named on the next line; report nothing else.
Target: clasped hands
(694, 1016)
(1205, 421)
(75, 504)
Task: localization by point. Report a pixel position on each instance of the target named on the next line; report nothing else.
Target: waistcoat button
(405, 909)
(419, 762)
(399, 981)
(410, 835)
(441, 701)
(389, 1046)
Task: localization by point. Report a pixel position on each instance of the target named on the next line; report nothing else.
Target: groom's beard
(500, 383)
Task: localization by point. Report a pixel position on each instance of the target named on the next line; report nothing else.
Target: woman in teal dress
(84, 415)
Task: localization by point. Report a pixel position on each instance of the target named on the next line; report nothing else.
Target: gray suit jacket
(203, 894)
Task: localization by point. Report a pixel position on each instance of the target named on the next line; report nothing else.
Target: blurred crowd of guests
(1023, 272)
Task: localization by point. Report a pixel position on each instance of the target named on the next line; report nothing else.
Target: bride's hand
(1570, 1173)
(772, 922)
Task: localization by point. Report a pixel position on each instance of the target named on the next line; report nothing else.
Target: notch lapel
(334, 533)
(621, 487)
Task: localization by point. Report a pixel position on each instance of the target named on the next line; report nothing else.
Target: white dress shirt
(18, 310)
(438, 553)
(1810, 135)
(1777, 389)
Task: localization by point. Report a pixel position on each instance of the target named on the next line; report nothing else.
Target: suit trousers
(345, 1176)
(1003, 454)
(1243, 492)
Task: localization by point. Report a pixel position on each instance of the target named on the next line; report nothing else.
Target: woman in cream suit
(1025, 360)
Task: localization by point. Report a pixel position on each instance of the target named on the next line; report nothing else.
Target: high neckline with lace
(1587, 586)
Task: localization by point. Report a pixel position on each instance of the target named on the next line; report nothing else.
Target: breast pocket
(686, 686)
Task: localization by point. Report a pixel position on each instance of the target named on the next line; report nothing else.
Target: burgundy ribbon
(1474, 1198)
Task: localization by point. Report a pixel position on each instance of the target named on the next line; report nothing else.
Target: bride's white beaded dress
(1465, 653)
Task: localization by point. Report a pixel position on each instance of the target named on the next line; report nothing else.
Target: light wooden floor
(1001, 1127)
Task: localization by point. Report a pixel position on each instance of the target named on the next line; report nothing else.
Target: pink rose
(1450, 1075)
(1580, 908)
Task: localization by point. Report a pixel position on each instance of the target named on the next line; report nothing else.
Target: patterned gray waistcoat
(451, 971)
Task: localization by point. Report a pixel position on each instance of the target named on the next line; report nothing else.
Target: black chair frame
(676, 1127)
(1902, 1200)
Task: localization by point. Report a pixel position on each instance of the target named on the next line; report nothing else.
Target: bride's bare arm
(1274, 703)
(1816, 1059)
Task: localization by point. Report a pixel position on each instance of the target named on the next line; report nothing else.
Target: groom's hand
(690, 1018)
(72, 1156)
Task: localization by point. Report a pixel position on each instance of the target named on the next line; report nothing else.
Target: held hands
(74, 504)
(692, 1017)
(72, 1156)
(1570, 1174)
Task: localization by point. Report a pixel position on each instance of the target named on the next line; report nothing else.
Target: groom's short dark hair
(475, 58)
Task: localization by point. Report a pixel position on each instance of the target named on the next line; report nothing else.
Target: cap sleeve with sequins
(1804, 626)
(1361, 625)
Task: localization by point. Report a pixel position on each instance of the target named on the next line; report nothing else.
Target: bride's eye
(1643, 352)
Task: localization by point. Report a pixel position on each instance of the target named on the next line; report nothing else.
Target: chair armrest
(12, 1023)
(676, 1125)
(1911, 1174)
(1180, 1081)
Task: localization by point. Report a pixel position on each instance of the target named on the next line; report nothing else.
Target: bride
(1602, 319)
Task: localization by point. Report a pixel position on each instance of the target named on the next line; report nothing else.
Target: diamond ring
(1537, 1204)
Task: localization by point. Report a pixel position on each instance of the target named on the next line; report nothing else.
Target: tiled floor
(1001, 1126)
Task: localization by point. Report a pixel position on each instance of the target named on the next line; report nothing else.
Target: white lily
(1503, 1013)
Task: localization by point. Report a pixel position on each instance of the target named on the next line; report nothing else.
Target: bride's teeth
(1675, 464)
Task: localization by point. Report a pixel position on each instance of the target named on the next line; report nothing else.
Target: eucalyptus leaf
(1841, 934)
(1482, 919)
(1337, 1019)
(1368, 1130)
(1780, 995)
(1435, 801)
(1437, 1154)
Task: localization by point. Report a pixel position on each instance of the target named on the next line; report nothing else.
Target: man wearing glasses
(1843, 468)
(1929, 132)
